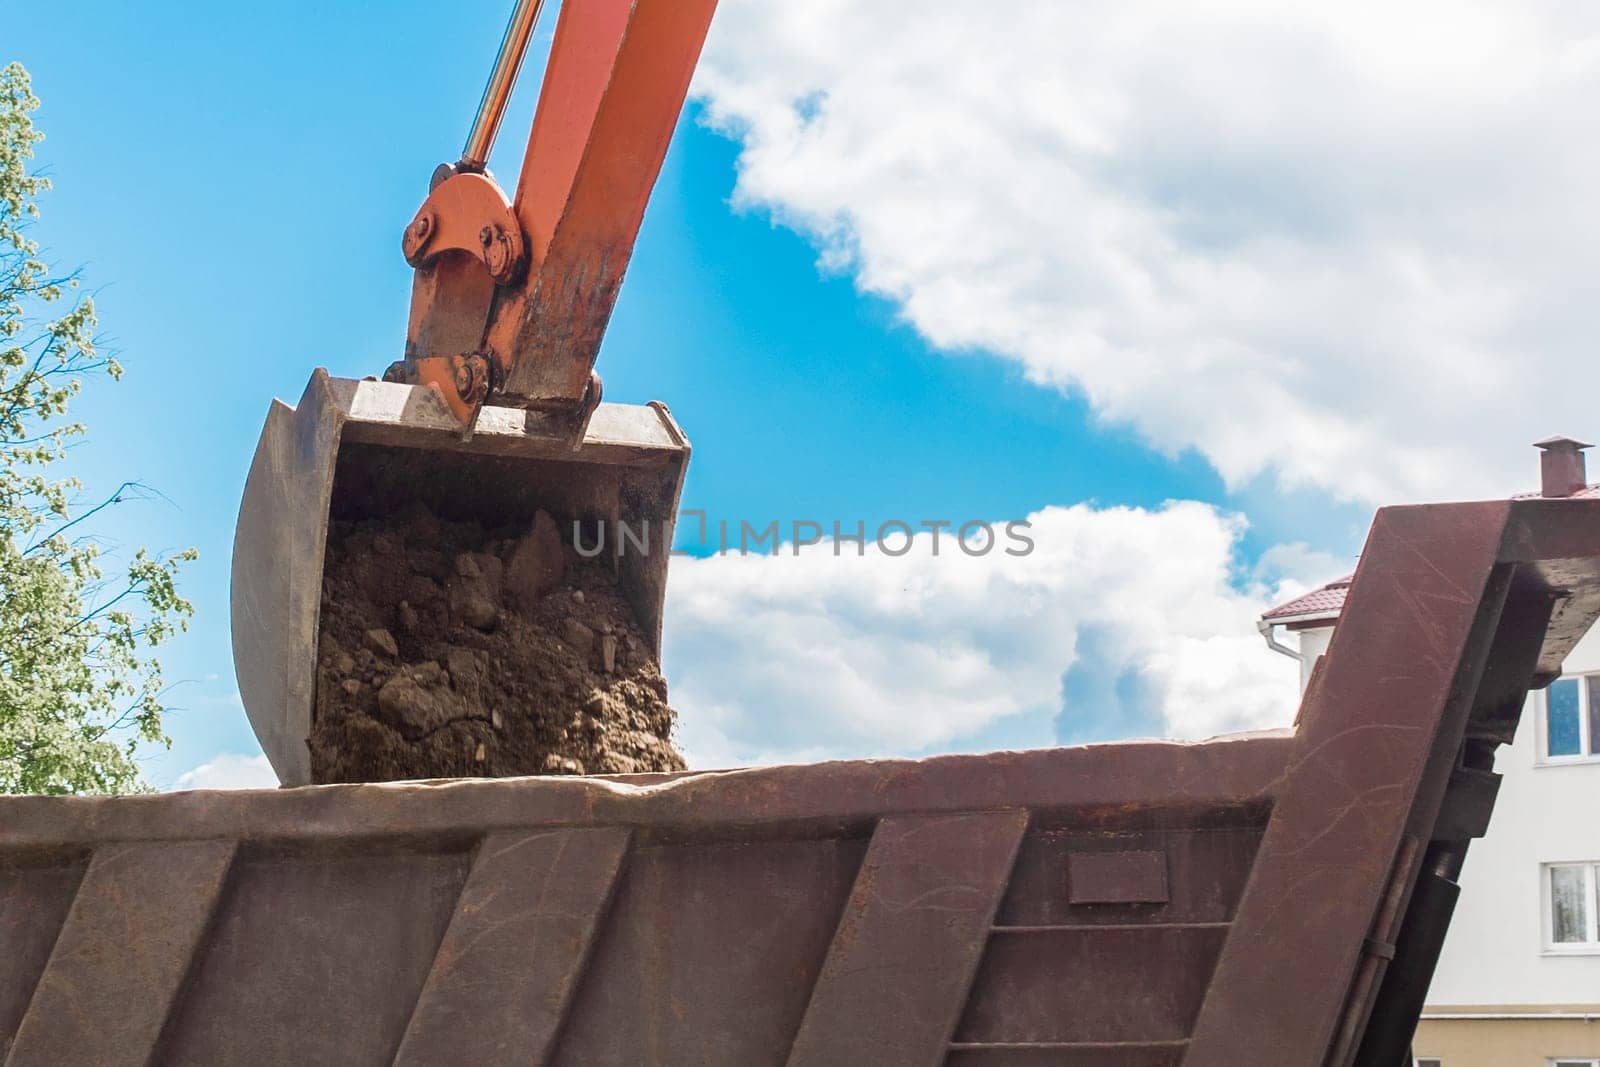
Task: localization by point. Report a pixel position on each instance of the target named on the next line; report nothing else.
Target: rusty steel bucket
(360, 449)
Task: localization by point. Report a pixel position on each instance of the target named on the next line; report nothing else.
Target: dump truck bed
(1274, 898)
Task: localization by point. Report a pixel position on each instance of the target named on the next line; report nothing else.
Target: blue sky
(234, 180)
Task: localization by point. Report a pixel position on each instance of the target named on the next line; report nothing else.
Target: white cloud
(229, 771)
(1352, 246)
(811, 656)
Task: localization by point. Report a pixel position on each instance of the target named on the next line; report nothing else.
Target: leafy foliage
(79, 690)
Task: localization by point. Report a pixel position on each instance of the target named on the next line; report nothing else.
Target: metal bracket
(1383, 950)
(467, 212)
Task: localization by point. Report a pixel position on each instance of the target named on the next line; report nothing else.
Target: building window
(1572, 719)
(1570, 907)
(1561, 1061)
(1427, 1061)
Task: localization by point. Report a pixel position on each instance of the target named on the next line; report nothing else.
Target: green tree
(79, 689)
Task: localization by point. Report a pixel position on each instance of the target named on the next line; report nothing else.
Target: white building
(1518, 982)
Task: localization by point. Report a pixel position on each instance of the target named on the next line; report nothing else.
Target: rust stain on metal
(1133, 876)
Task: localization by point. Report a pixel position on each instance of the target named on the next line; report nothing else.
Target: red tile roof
(1588, 492)
(1325, 601)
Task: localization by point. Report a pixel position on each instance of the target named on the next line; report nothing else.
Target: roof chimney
(1561, 466)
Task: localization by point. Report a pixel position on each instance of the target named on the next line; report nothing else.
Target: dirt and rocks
(448, 650)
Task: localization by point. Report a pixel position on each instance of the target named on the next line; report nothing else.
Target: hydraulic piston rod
(502, 79)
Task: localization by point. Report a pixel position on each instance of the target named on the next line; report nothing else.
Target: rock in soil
(448, 650)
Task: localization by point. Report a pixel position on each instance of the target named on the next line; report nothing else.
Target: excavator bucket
(353, 450)
(492, 424)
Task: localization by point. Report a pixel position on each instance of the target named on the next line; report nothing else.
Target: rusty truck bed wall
(1273, 898)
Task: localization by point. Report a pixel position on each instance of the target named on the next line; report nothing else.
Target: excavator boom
(512, 299)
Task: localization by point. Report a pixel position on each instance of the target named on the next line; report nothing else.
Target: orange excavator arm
(511, 298)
